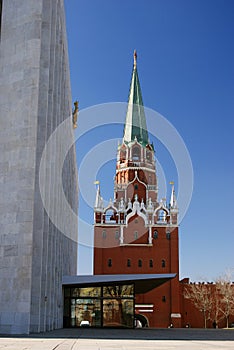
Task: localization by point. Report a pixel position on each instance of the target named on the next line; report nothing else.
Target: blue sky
(186, 70)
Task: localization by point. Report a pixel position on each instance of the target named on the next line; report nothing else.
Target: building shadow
(134, 334)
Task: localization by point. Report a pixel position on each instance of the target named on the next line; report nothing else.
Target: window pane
(140, 263)
(86, 312)
(85, 292)
(118, 313)
(118, 291)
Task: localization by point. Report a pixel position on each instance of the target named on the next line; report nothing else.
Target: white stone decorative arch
(130, 215)
(160, 207)
(131, 146)
(122, 148)
(131, 182)
(136, 210)
(137, 178)
(109, 207)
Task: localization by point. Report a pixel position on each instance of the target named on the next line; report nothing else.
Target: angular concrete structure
(35, 98)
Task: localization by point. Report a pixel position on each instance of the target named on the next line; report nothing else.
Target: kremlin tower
(137, 233)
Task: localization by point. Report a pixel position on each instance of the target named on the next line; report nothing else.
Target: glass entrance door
(118, 313)
(85, 312)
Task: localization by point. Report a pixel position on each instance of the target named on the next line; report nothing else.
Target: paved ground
(116, 339)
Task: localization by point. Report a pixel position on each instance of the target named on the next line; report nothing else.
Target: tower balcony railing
(136, 164)
(132, 163)
(161, 222)
(152, 187)
(124, 186)
(120, 187)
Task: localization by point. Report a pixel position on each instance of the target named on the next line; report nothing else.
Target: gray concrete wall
(34, 99)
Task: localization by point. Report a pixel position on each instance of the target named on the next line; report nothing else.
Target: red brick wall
(164, 298)
(161, 249)
(192, 316)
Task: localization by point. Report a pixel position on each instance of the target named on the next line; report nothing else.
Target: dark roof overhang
(143, 282)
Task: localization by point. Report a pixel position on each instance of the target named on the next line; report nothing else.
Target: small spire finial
(135, 58)
(173, 202)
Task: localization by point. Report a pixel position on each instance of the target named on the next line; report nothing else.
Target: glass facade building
(99, 306)
(105, 300)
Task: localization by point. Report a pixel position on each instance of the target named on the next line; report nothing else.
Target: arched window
(139, 263)
(135, 234)
(163, 263)
(161, 215)
(168, 235)
(151, 263)
(104, 234)
(110, 215)
(148, 155)
(128, 262)
(122, 155)
(109, 262)
(136, 154)
(155, 235)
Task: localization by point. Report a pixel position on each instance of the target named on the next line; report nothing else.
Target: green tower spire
(135, 124)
